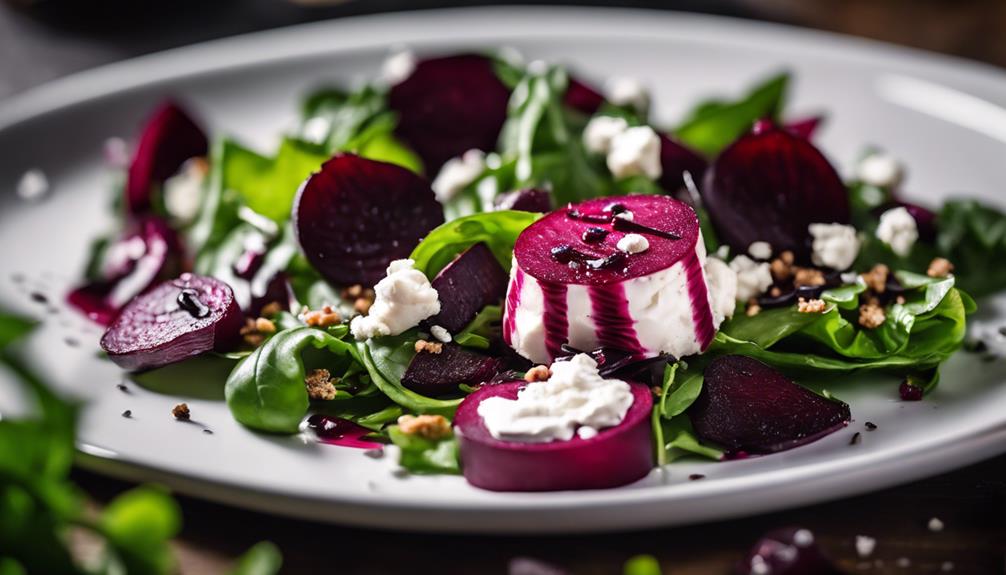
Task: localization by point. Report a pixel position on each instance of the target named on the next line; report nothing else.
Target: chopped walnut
(537, 373)
(271, 309)
(811, 306)
(263, 325)
(426, 426)
(361, 297)
(900, 300)
(428, 346)
(782, 267)
(181, 412)
(939, 268)
(787, 257)
(325, 317)
(657, 390)
(319, 385)
(876, 278)
(250, 333)
(808, 277)
(776, 291)
(871, 315)
(753, 308)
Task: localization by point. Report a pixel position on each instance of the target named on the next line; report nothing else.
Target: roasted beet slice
(448, 106)
(747, 406)
(768, 186)
(169, 138)
(526, 200)
(805, 127)
(434, 374)
(149, 251)
(582, 97)
(615, 456)
(472, 281)
(355, 216)
(787, 551)
(675, 160)
(178, 319)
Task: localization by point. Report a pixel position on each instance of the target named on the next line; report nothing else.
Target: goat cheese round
(835, 245)
(574, 400)
(402, 300)
(899, 230)
(570, 282)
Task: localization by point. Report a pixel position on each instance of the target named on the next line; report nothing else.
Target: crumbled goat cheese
(635, 151)
(633, 244)
(753, 278)
(803, 538)
(627, 92)
(760, 250)
(865, 545)
(880, 170)
(899, 230)
(440, 333)
(458, 173)
(33, 185)
(397, 67)
(403, 299)
(183, 192)
(316, 129)
(600, 131)
(721, 281)
(935, 525)
(835, 245)
(574, 397)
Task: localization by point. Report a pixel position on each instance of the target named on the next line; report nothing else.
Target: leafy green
(266, 389)
(715, 124)
(499, 231)
(420, 455)
(485, 324)
(642, 565)
(674, 438)
(973, 237)
(262, 559)
(386, 359)
(681, 386)
(268, 185)
(139, 524)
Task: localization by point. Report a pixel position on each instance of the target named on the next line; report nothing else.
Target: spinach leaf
(675, 438)
(386, 359)
(681, 386)
(499, 230)
(422, 456)
(266, 389)
(484, 326)
(715, 124)
(642, 565)
(268, 185)
(138, 524)
(262, 559)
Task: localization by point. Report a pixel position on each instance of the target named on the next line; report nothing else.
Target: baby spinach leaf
(681, 386)
(268, 185)
(138, 524)
(422, 456)
(675, 438)
(484, 326)
(499, 230)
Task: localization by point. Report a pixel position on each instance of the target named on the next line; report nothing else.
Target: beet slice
(748, 406)
(615, 456)
(526, 200)
(472, 281)
(169, 138)
(805, 127)
(675, 160)
(448, 106)
(434, 374)
(768, 186)
(355, 216)
(582, 97)
(787, 551)
(149, 251)
(176, 320)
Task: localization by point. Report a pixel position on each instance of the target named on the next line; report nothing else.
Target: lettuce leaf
(426, 456)
(499, 230)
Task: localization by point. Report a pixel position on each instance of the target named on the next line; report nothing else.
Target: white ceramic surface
(946, 118)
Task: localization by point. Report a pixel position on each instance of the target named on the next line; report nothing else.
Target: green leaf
(266, 389)
(138, 524)
(347, 114)
(499, 231)
(485, 324)
(422, 456)
(642, 565)
(386, 359)
(13, 328)
(262, 559)
(681, 386)
(268, 185)
(675, 438)
(713, 125)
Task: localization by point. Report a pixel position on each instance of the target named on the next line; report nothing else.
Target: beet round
(472, 281)
(176, 320)
(675, 160)
(616, 456)
(526, 200)
(355, 216)
(769, 186)
(436, 374)
(169, 138)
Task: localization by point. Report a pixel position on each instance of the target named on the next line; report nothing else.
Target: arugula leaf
(681, 386)
(715, 124)
(422, 456)
(138, 524)
(386, 359)
(499, 231)
(262, 559)
(266, 389)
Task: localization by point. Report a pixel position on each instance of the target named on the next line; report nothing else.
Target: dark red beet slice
(448, 106)
(434, 374)
(176, 320)
(546, 248)
(768, 186)
(148, 252)
(355, 216)
(169, 138)
(582, 97)
(472, 281)
(339, 431)
(527, 200)
(746, 405)
(788, 551)
(675, 160)
(616, 456)
(806, 127)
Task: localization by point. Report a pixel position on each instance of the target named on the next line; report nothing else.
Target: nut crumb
(263, 325)
(939, 268)
(181, 412)
(871, 315)
(776, 291)
(127, 414)
(325, 317)
(657, 390)
(753, 308)
(811, 306)
(876, 278)
(787, 257)
(428, 346)
(319, 385)
(900, 300)
(782, 271)
(250, 333)
(432, 427)
(537, 373)
(361, 297)
(271, 309)
(808, 277)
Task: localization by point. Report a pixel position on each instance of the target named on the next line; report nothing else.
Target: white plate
(944, 117)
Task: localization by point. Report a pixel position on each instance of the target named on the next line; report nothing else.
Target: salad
(508, 272)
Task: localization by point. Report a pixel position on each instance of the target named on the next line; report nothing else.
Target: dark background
(42, 40)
